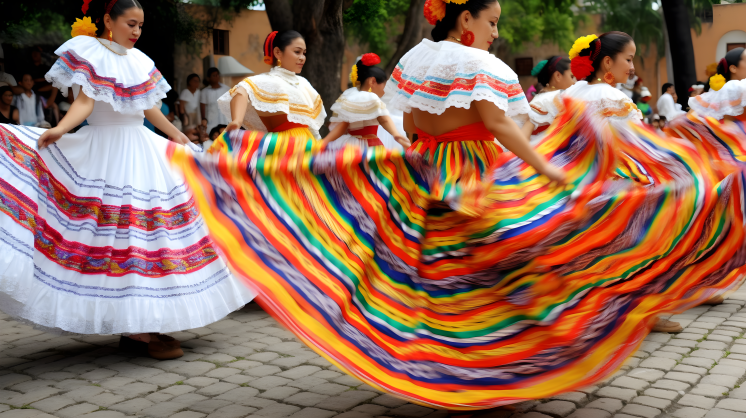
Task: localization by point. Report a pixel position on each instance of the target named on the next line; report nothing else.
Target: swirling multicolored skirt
(486, 290)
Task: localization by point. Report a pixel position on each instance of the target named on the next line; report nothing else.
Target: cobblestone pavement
(248, 366)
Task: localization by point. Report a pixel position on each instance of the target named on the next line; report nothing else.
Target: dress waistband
(540, 129)
(368, 133)
(286, 126)
(474, 132)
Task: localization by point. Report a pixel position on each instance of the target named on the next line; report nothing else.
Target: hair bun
(370, 59)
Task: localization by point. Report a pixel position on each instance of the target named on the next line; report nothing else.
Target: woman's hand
(403, 141)
(181, 139)
(555, 174)
(236, 124)
(49, 137)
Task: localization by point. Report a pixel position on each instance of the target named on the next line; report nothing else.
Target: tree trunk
(682, 50)
(320, 22)
(410, 35)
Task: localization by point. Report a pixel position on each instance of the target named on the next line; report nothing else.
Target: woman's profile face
(739, 72)
(623, 64)
(484, 26)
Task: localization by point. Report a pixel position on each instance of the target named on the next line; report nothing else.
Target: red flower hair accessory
(269, 47)
(435, 10)
(581, 67)
(84, 9)
(370, 59)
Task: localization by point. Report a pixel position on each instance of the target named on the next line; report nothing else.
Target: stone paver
(248, 366)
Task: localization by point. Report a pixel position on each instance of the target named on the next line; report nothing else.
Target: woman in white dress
(97, 234)
(189, 101)
(359, 110)
(556, 76)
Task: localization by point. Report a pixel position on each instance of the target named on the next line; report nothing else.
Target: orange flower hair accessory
(435, 10)
(370, 59)
(83, 27)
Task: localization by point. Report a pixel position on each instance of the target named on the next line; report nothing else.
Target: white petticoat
(100, 236)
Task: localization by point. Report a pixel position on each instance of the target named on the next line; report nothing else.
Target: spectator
(656, 123)
(46, 92)
(30, 110)
(190, 104)
(211, 115)
(662, 124)
(7, 79)
(667, 106)
(8, 112)
(214, 134)
(642, 104)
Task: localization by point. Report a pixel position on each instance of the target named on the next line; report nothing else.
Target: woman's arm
(14, 116)
(508, 133)
(79, 111)
(239, 104)
(388, 125)
(528, 129)
(335, 133)
(409, 126)
(158, 119)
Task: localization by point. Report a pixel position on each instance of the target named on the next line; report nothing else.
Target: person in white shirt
(30, 110)
(211, 115)
(189, 101)
(667, 106)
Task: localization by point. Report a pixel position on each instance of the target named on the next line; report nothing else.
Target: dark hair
(98, 11)
(212, 70)
(611, 44)
(279, 40)
(453, 11)
(733, 57)
(665, 87)
(191, 76)
(554, 64)
(3, 89)
(364, 72)
(217, 129)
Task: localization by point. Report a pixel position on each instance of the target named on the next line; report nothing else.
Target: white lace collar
(113, 46)
(285, 75)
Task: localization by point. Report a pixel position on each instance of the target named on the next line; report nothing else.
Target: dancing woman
(97, 234)
(727, 96)
(279, 108)
(556, 76)
(359, 110)
(463, 278)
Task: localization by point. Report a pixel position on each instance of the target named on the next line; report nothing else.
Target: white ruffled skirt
(99, 236)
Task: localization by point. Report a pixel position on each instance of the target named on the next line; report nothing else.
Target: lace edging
(62, 80)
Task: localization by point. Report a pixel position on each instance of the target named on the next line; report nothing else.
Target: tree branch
(410, 35)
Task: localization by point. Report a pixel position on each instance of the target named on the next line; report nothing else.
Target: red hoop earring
(467, 38)
(610, 79)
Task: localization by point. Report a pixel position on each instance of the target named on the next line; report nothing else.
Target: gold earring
(279, 62)
(370, 89)
(110, 37)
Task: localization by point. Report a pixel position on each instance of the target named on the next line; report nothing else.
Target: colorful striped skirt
(459, 278)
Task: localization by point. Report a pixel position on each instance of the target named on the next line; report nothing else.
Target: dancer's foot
(134, 345)
(715, 300)
(159, 350)
(169, 341)
(664, 325)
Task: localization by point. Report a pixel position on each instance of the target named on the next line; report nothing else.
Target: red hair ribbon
(598, 49)
(109, 6)
(370, 59)
(268, 47)
(84, 9)
(725, 65)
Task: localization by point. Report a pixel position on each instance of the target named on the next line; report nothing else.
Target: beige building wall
(247, 33)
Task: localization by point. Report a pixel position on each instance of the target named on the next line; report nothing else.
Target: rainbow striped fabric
(528, 290)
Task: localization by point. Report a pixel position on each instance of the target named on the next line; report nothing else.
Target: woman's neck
(4, 106)
(191, 90)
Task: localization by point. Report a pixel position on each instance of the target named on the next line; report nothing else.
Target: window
(729, 47)
(523, 66)
(220, 42)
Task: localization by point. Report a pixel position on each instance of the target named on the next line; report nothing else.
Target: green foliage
(539, 21)
(638, 18)
(375, 23)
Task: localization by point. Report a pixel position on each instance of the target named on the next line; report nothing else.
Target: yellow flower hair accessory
(353, 75)
(717, 82)
(580, 44)
(83, 27)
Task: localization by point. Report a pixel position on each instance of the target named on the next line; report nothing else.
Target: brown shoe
(715, 300)
(667, 326)
(160, 351)
(171, 342)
